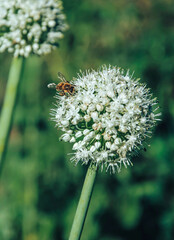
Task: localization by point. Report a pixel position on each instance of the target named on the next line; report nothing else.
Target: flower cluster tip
(31, 27)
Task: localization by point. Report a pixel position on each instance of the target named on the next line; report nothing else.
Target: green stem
(83, 204)
(7, 112)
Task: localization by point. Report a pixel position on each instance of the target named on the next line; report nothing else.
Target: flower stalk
(7, 111)
(83, 204)
(26, 28)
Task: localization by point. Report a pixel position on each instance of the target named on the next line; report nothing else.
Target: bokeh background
(40, 187)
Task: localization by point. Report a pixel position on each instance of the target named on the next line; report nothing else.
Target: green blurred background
(40, 187)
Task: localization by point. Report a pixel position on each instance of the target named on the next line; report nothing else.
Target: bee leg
(71, 91)
(67, 93)
(61, 93)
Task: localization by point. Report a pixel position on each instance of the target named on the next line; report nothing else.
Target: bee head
(51, 85)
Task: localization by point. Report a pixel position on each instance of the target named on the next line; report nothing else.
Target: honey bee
(64, 87)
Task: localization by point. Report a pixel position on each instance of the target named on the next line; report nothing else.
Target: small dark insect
(64, 87)
(145, 149)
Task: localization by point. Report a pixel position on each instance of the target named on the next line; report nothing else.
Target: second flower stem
(83, 204)
(7, 112)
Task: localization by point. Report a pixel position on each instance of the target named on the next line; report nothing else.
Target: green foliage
(40, 187)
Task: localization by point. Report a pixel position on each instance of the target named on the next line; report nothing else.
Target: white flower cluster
(107, 118)
(30, 26)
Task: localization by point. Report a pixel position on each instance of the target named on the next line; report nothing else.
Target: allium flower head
(108, 117)
(30, 26)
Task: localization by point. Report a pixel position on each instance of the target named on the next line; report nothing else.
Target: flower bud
(75, 146)
(87, 118)
(66, 137)
(98, 145)
(94, 115)
(65, 123)
(98, 137)
(91, 108)
(86, 131)
(92, 149)
(99, 107)
(113, 147)
(83, 107)
(106, 136)
(72, 140)
(117, 141)
(108, 145)
(78, 134)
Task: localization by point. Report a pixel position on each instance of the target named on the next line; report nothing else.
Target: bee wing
(61, 77)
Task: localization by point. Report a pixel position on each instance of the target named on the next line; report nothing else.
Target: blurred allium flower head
(108, 117)
(30, 26)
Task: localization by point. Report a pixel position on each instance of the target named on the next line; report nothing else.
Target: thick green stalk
(7, 111)
(83, 204)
